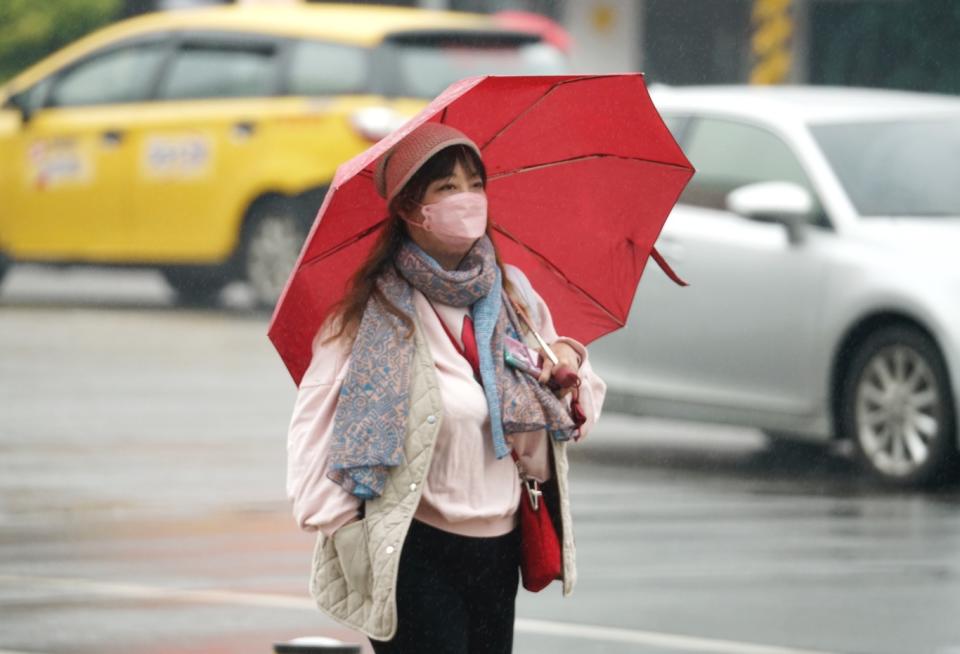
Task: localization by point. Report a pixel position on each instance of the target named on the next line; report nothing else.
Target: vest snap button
(431, 419)
(389, 549)
(413, 487)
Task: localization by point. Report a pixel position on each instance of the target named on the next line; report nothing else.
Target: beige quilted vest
(354, 573)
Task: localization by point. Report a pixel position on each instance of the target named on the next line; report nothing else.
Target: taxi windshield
(425, 65)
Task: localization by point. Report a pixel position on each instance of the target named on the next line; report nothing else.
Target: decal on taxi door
(53, 163)
(177, 156)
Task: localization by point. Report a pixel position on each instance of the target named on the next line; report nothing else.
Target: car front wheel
(4, 266)
(272, 244)
(195, 285)
(897, 407)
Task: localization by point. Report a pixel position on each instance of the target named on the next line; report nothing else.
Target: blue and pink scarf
(371, 417)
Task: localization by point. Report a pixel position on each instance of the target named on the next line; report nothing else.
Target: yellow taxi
(201, 142)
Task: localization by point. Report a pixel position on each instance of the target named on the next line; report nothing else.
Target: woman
(400, 443)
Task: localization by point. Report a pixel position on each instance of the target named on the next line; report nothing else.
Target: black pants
(455, 595)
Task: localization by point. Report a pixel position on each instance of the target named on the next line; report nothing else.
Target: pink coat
(468, 490)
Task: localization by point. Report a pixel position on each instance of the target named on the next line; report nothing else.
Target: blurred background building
(907, 44)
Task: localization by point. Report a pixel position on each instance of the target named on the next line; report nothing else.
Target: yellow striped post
(771, 41)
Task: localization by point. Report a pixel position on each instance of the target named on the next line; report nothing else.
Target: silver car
(821, 239)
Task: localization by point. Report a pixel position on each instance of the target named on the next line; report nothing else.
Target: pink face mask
(457, 220)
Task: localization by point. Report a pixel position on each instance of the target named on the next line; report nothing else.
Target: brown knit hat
(403, 160)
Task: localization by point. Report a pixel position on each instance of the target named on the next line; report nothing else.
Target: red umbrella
(582, 175)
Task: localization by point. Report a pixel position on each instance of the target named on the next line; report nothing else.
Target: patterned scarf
(371, 417)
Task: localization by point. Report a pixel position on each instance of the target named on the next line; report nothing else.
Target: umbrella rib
(530, 107)
(584, 157)
(361, 235)
(559, 273)
(343, 244)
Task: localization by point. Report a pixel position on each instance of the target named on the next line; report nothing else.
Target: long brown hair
(349, 311)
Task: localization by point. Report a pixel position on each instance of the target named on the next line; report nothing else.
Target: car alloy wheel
(897, 410)
(272, 247)
(898, 407)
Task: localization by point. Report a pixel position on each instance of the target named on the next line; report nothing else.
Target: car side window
(318, 68)
(221, 70)
(31, 99)
(728, 155)
(677, 124)
(123, 74)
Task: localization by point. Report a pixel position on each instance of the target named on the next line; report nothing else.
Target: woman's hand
(566, 356)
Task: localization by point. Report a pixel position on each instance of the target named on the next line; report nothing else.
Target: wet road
(142, 508)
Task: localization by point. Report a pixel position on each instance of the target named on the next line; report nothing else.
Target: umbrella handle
(522, 313)
(543, 344)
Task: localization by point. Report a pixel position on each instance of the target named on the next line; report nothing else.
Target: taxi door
(70, 160)
(199, 147)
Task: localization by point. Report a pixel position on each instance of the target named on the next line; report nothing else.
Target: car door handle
(244, 129)
(112, 137)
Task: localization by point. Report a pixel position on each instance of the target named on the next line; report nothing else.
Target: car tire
(195, 285)
(897, 408)
(273, 237)
(4, 266)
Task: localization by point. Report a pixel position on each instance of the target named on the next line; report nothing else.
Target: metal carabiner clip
(533, 492)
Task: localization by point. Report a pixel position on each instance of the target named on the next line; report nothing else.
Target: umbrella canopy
(582, 174)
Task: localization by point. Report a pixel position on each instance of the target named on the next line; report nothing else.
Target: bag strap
(461, 349)
(520, 282)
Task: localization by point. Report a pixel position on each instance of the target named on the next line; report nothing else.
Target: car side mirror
(12, 105)
(785, 203)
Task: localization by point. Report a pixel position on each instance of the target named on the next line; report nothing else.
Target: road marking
(113, 589)
(523, 625)
(654, 638)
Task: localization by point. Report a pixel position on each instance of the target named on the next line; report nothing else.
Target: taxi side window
(33, 98)
(215, 70)
(124, 74)
(318, 68)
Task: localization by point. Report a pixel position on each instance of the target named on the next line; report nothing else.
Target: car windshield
(896, 168)
(425, 67)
